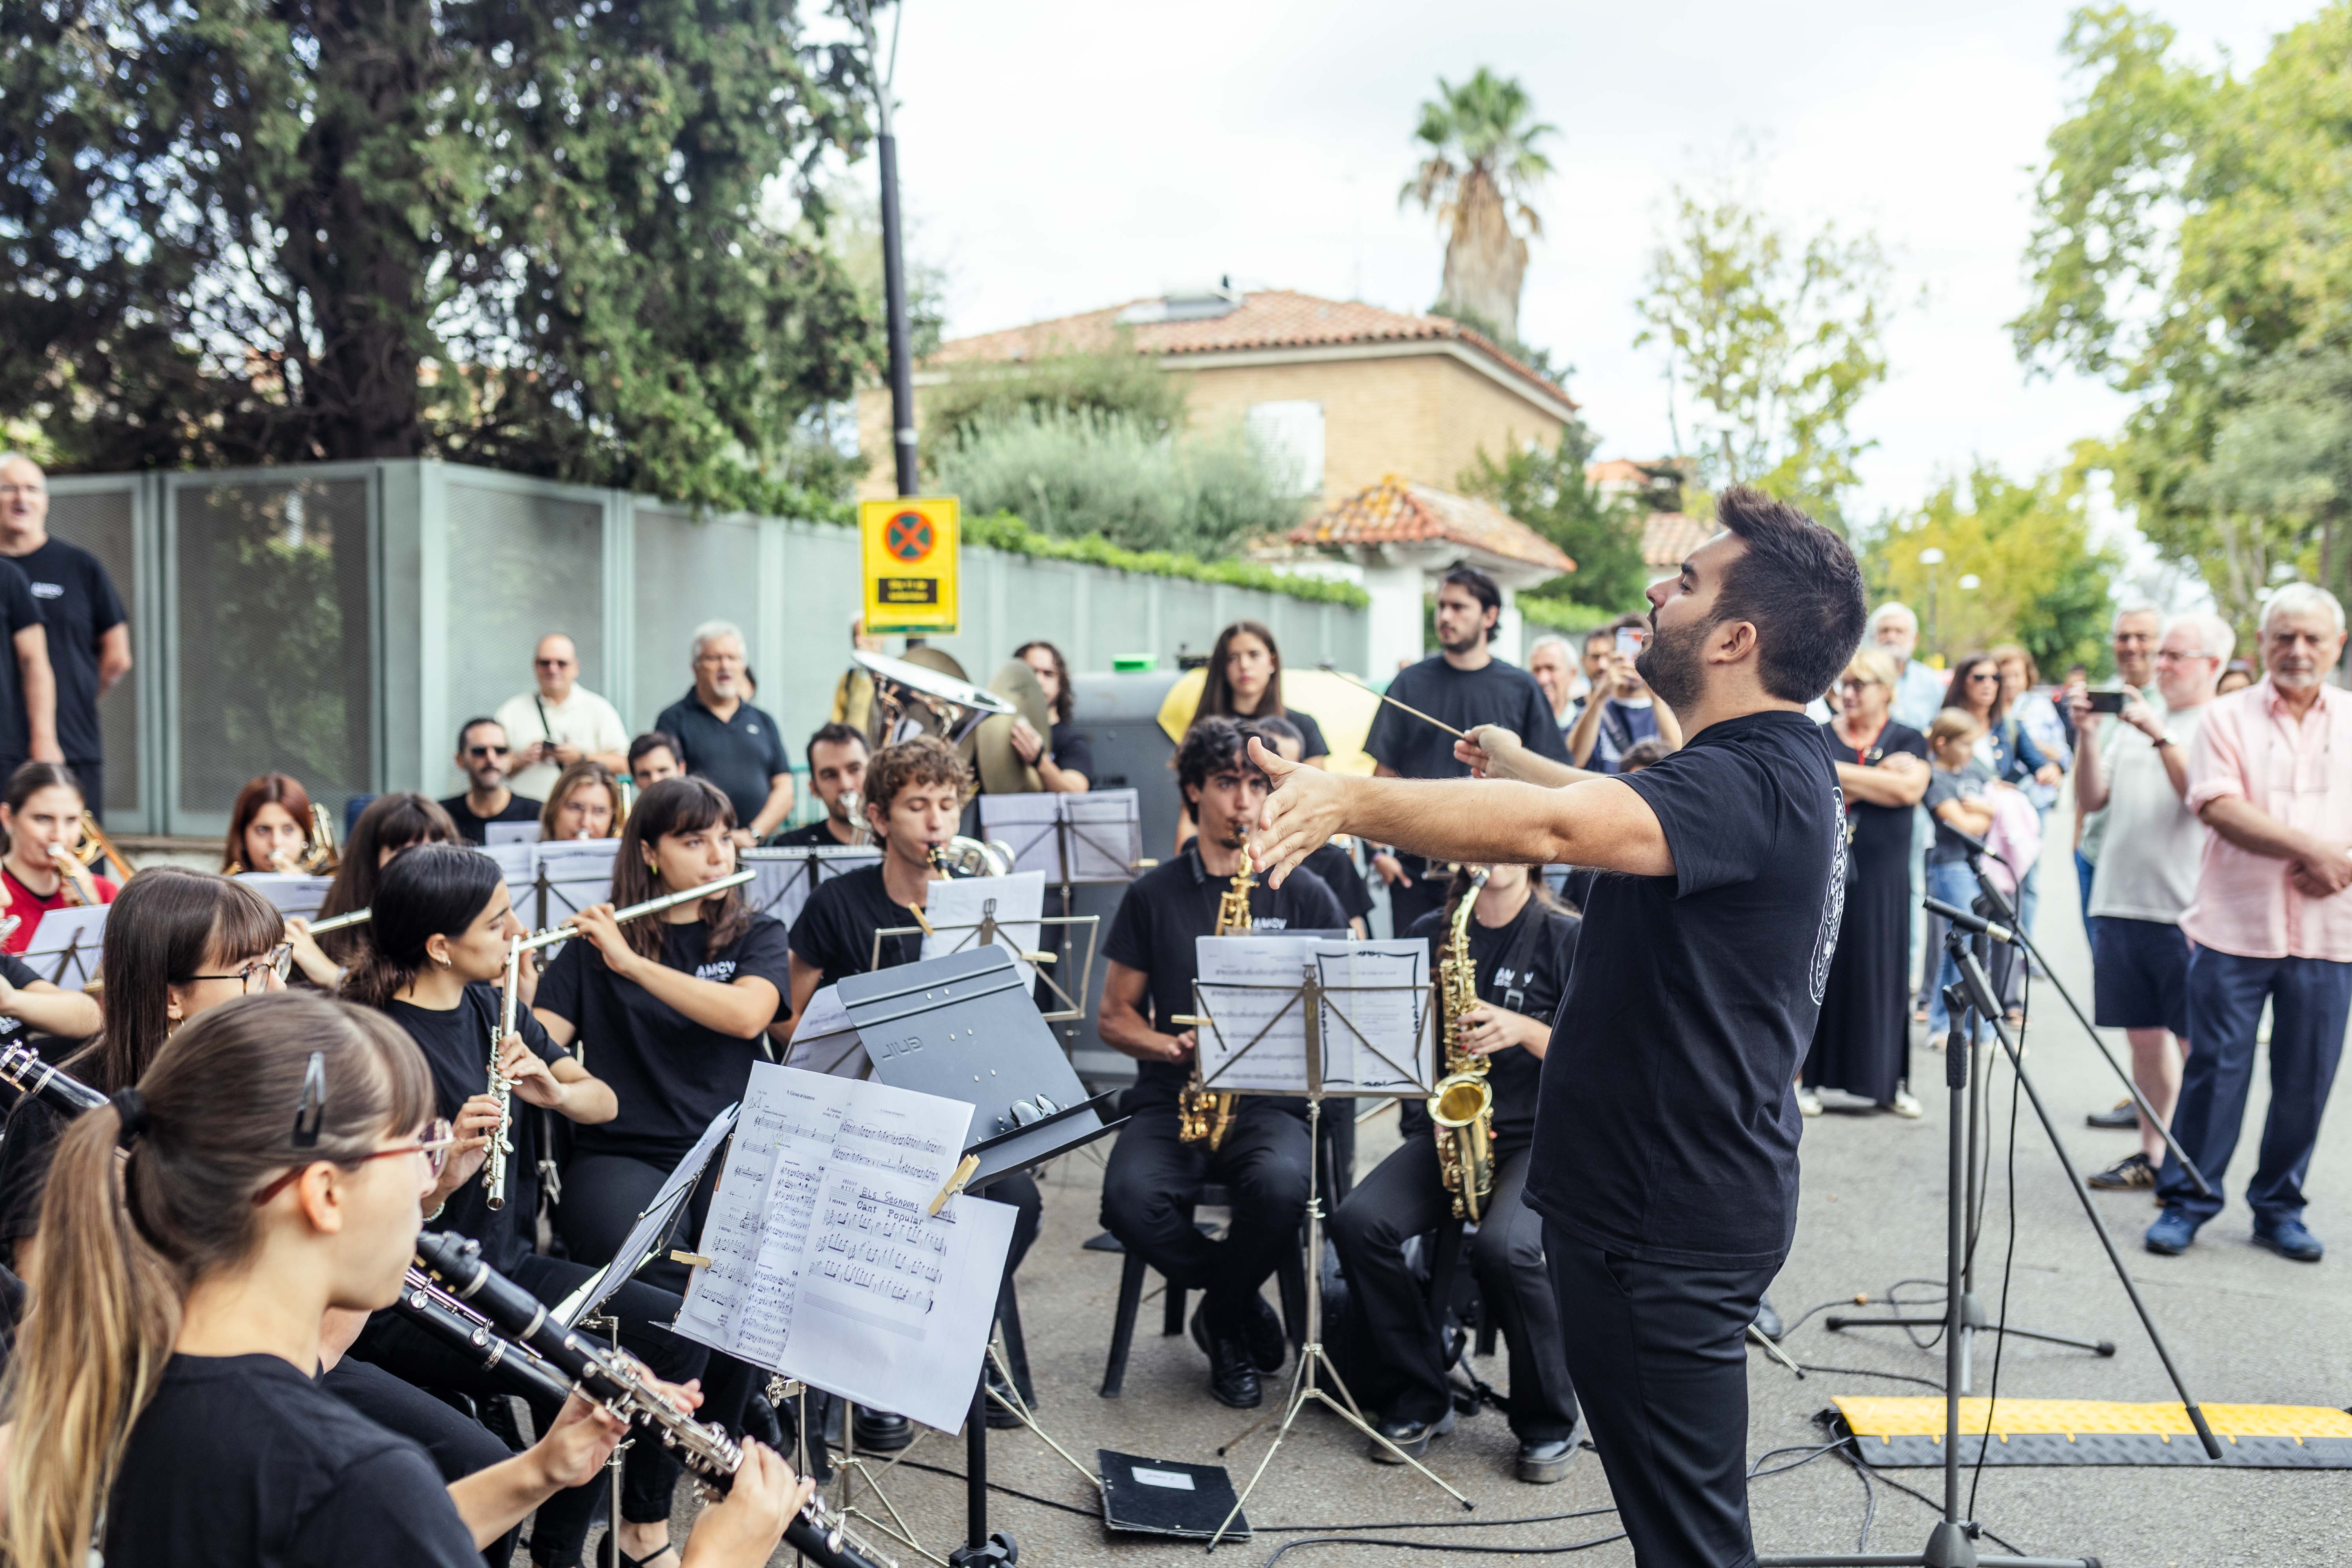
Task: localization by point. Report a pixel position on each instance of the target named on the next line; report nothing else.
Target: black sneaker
(2131, 1173)
(1541, 1464)
(1410, 1437)
(1233, 1377)
(2123, 1118)
(1768, 1320)
(1269, 1347)
(882, 1432)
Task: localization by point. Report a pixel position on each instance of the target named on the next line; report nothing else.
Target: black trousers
(459, 1446)
(1659, 1354)
(1153, 1175)
(649, 1472)
(1406, 1197)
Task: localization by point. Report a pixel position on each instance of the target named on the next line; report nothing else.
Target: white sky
(1060, 156)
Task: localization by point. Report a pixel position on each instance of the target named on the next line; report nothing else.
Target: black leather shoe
(1269, 1347)
(1541, 1464)
(1767, 1323)
(1410, 1437)
(882, 1432)
(2121, 1118)
(760, 1420)
(1233, 1377)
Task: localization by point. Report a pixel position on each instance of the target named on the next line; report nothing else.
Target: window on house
(1291, 434)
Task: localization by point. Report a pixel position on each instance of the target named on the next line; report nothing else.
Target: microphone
(1970, 921)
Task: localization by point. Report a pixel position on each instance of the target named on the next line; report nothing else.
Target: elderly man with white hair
(2135, 769)
(1553, 663)
(559, 723)
(724, 739)
(1921, 693)
(2271, 923)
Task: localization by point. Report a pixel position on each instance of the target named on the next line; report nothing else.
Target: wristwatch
(2163, 741)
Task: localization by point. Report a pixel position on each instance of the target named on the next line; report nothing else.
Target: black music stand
(987, 933)
(964, 1026)
(1319, 1011)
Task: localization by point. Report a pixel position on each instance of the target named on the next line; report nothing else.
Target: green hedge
(1003, 530)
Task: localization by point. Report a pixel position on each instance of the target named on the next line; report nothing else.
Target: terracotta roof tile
(1398, 511)
(1668, 536)
(1270, 319)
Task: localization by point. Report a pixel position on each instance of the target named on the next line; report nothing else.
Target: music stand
(790, 873)
(74, 937)
(987, 933)
(1318, 1007)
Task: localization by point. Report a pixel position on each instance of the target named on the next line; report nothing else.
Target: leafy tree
(2041, 579)
(1549, 491)
(1481, 165)
(1113, 382)
(1776, 339)
(2194, 248)
(270, 230)
(1070, 473)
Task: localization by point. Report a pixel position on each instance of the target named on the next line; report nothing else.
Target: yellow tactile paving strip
(1885, 1417)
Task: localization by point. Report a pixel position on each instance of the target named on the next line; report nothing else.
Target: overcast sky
(1060, 156)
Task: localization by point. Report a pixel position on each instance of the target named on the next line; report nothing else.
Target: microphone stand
(1952, 1543)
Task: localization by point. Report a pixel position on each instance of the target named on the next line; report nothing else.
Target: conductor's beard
(1669, 664)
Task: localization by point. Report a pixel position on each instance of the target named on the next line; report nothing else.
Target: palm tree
(1482, 164)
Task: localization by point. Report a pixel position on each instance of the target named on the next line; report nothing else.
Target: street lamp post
(894, 261)
(1931, 558)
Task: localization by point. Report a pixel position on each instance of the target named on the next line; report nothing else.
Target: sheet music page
(1382, 1051)
(825, 1039)
(1027, 823)
(498, 835)
(1106, 833)
(1249, 985)
(1017, 901)
(293, 893)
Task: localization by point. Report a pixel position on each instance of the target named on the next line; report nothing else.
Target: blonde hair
(1952, 724)
(1874, 666)
(586, 770)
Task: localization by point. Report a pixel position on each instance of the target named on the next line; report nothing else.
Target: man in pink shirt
(2272, 921)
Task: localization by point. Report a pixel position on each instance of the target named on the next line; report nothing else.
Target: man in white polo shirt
(561, 722)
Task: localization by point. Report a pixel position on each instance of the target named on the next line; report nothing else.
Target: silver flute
(337, 922)
(501, 1147)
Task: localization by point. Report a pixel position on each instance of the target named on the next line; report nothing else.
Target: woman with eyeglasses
(585, 804)
(265, 1171)
(443, 918)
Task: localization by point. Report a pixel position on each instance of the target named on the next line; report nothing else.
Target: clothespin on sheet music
(963, 1172)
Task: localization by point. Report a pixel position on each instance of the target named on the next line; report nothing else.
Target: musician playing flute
(914, 797)
(1462, 685)
(1520, 942)
(443, 919)
(1262, 1154)
(1664, 1161)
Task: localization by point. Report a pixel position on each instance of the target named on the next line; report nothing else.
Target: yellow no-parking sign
(911, 545)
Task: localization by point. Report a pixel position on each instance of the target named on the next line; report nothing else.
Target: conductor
(1665, 1157)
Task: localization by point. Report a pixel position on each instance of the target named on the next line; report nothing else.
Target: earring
(442, 959)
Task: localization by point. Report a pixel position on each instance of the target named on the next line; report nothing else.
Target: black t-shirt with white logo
(1523, 966)
(836, 929)
(670, 1074)
(243, 1462)
(456, 1046)
(1668, 1117)
(1166, 909)
(79, 605)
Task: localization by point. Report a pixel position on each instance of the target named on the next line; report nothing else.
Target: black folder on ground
(1163, 1497)
(965, 1026)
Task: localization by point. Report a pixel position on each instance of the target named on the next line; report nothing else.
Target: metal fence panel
(275, 638)
(688, 571)
(524, 560)
(101, 515)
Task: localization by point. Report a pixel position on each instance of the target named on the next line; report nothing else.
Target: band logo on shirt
(722, 971)
(1268, 923)
(1833, 901)
(48, 590)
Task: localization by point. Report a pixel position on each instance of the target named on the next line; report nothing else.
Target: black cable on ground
(1867, 1371)
(998, 1487)
(1456, 1524)
(1440, 1546)
(2009, 1262)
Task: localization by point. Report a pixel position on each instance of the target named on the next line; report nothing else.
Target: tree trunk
(1485, 261)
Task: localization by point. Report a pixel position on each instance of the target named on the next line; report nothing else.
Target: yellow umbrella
(1344, 711)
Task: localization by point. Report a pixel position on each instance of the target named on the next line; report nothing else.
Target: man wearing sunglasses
(559, 722)
(485, 758)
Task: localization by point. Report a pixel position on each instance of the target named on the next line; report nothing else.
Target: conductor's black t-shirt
(1494, 693)
(1172, 904)
(456, 1046)
(79, 605)
(469, 825)
(1532, 987)
(836, 929)
(670, 1074)
(243, 1462)
(1668, 1117)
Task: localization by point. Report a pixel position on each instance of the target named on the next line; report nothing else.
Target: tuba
(1463, 1103)
(911, 700)
(962, 857)
(1203, 1117)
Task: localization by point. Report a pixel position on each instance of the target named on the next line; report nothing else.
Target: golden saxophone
(1463, 1103)
(1203, 1117)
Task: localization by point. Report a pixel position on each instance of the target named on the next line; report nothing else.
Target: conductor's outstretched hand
(1299, 816)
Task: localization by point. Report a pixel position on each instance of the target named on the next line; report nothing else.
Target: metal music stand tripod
(1952, 1543)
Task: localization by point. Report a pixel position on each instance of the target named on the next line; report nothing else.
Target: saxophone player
(1519, 942)
(1153, 1173)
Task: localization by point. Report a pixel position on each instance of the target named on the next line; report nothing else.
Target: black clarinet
(456, 1261)
(22, 1066)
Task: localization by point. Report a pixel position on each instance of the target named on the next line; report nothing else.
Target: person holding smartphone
(1622, 712)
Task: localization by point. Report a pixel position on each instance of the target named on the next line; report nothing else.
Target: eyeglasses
(1984, 675)
(255, 973)
(487, 751)
(438, 1139)
(553, 663)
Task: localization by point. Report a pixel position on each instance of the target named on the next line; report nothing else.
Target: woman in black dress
(1863, 1042)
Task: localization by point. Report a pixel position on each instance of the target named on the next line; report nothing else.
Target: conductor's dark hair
(834, 734)
(1480, 587)
(470, 725)
(1215, 745)
(433, 890)
(1798, 585)
(654, 741)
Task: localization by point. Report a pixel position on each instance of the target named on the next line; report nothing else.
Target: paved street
(2244, 1325)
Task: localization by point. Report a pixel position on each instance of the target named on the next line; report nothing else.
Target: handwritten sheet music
(825, 1265)
(1374, 1014)
(1376, 1008)
(1016, 902)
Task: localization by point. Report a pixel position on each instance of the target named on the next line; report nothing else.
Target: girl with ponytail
(442, 918)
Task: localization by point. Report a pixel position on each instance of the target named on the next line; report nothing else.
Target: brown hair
(586, 770)
(165, 925)
(124, 1238)
(2009, 650)
(689, 803)
(30, 779)
(926, 759)
(269, 789)
(1061, 703)
(390, 822)
(1217, 692)
(1956, 690)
